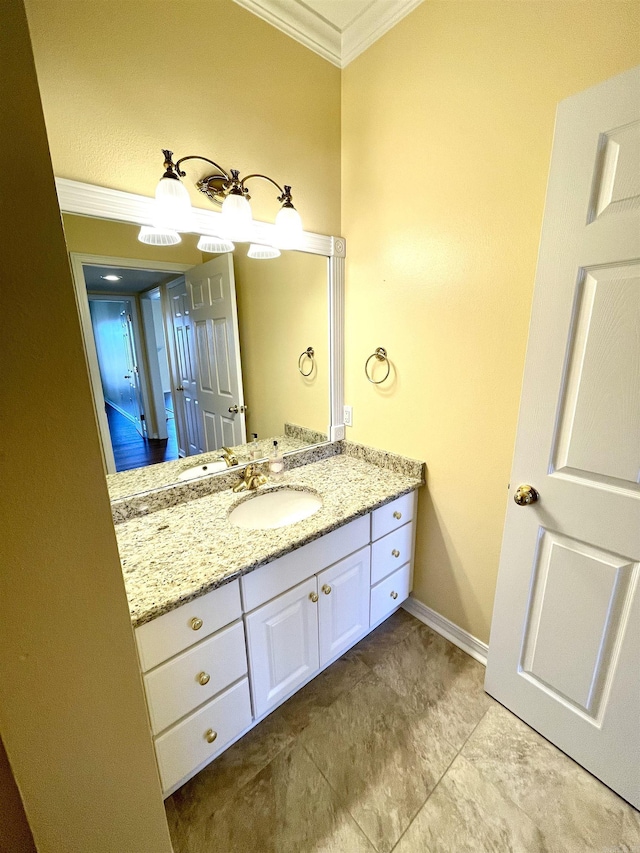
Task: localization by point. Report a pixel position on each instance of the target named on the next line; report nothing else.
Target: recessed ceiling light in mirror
(111, 277)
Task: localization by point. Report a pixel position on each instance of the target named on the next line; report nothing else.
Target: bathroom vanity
(230, 622)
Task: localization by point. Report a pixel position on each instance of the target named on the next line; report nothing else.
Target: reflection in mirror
(192, 353)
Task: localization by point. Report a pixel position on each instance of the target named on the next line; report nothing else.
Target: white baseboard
(459, 637)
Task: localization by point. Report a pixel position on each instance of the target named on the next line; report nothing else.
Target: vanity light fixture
(215, 245)
(173, 211)
(262, 253)
(154, 236)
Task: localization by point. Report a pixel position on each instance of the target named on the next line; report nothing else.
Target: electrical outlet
(348, 415)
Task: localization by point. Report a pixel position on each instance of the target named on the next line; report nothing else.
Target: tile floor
(396, 747)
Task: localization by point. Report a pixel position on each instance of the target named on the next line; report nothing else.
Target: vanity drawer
(382, 596)
(175, 631)
(390, 552)
(185, 746)
(286, 572)
(174, 688)
(392, 515)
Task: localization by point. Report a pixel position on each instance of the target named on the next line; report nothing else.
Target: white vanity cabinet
(301, 631)
(282, 641)
(393, 542)
(215, 666)
(194, 665)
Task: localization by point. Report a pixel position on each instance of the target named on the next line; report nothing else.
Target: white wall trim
(105, 203)
(449, 630)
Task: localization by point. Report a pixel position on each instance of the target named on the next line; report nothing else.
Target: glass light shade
(288, 228)
(262, 253)
(215, 245)
(158, 236)
(173, 206)
(237, 218)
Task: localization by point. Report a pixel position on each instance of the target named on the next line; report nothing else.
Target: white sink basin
(202, 470)
(275, 509)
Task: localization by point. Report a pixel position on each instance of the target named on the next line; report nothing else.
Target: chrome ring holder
(381, 355)
(308, 353)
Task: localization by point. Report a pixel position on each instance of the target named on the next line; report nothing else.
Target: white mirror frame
(104, 203)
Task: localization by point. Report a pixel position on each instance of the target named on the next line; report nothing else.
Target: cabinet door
(282, 638)
(344, 603)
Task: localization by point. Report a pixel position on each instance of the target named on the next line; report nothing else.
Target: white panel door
(183, 368)
(344, 591)
(565, 640)
(282, 640)
(214, 315)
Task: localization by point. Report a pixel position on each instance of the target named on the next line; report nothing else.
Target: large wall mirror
(192, 355)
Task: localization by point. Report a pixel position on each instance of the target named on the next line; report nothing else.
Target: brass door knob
(395, 553)
(203, 678)
(326, 589)
(313, 596)
(210, 735)
(397, 515)
(526, 495)
(196, 623)
(394, 595)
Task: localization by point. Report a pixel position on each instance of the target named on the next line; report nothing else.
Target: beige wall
(120, 80)
(282, 310)
(447, 131)
(72, 713)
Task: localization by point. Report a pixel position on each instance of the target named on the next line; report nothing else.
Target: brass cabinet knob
(313, 596)
(210, 735)
(525, 495)
(397, 515)
(203, 678)
(326, 589)
(394, 595)
(395, 553)
(196, 623)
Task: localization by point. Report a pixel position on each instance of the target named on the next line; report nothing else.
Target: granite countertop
(178, 553)
(138, 480)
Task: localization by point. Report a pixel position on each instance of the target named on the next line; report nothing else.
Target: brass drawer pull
(394, 595)
(395, 553)
(326, 589)
(196, 623)
(203, 678)
(313, 596)
(210, 735)
(397, 515)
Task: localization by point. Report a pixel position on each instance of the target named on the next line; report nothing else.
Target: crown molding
(340, 47)
(301, 23)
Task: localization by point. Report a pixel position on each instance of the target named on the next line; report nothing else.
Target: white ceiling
(338, 30)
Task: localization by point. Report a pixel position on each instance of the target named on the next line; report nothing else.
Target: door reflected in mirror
(191, 353)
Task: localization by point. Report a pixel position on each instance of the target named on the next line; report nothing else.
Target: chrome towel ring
(381, 355)
(308, 353)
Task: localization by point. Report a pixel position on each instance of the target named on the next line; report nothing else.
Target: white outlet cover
(348, 415)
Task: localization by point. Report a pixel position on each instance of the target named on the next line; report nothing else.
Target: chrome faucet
(252, 478)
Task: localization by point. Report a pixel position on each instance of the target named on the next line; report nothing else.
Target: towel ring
(308, 353)
(381, 355)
